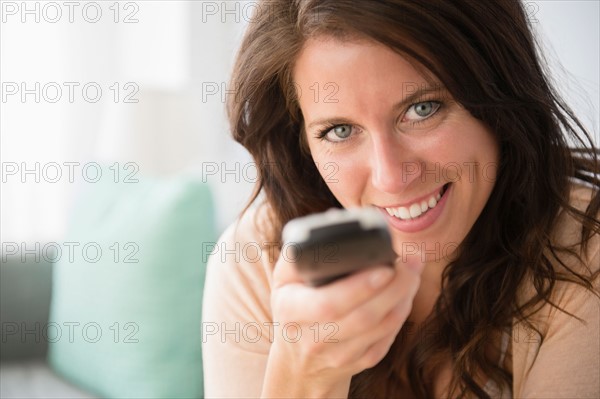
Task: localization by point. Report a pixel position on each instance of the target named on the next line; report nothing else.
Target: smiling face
(382, 135)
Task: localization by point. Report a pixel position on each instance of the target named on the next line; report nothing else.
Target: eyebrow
(411, 98)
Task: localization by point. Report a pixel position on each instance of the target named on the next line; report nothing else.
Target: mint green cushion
(148, 313)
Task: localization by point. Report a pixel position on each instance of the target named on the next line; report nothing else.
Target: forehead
(341, 75)
(344, 49)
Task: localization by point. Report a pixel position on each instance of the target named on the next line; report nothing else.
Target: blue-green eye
(336, 133)
(342, 131)
(420, 111)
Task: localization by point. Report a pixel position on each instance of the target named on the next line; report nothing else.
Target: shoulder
(569, 254)
(562, 357)
(251, 236)
(241, 262)
(567, 232)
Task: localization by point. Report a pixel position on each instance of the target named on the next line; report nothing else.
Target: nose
(392, 167)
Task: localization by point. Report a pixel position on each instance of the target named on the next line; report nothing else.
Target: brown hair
(485, 55)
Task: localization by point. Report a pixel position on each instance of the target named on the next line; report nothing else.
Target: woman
(440, 115)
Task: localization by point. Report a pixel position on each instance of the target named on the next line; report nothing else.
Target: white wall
(570, 30)
(158, 53)
(173, 54)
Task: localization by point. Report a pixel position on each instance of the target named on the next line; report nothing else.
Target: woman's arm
(235, 318)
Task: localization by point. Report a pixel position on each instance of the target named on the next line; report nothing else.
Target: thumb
(413, 262)
(285, 272)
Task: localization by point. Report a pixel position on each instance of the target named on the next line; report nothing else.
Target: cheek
(346, 178)
(478, 149)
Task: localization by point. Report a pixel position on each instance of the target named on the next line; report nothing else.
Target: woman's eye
(420, 111)
(338, 133)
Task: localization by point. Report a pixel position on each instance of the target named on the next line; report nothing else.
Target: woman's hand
(346, 327)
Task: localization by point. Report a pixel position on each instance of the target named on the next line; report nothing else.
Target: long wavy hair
(485, 54)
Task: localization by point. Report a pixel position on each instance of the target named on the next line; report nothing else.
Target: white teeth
(432, 202)
(415, 210)
(402, 213)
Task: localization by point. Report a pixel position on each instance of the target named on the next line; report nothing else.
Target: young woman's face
(382, 136)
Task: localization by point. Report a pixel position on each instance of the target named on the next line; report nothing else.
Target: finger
(401, 290)
(411, 262)
(334, 301)
(370, 346)
(285, 273)
(376, 352)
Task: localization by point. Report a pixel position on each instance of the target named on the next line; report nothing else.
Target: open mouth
(418, 209)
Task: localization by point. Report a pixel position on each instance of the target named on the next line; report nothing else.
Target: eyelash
(327, 128)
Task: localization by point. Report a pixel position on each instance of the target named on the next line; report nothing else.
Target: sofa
(25, 294)
(113, 308)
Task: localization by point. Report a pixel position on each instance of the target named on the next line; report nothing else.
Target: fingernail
(380, 277)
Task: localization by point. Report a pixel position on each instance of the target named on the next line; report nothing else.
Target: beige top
(237, 331)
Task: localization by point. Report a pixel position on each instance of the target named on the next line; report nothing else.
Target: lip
(416, 200)
(423, 222)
